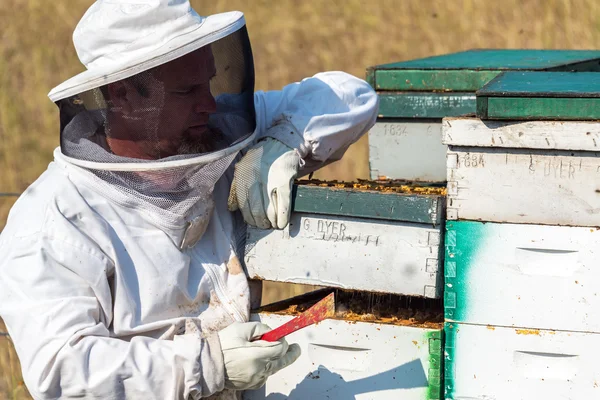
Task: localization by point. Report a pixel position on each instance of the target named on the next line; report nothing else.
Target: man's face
(167, 112)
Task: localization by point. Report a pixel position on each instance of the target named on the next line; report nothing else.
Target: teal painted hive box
(415, 95)
(541, 96)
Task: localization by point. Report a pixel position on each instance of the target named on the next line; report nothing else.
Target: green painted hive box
(541, 96)
(415, 95)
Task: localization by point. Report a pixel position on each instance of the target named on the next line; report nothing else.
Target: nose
(205, 103)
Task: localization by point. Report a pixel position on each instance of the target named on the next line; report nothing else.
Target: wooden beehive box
(523, 276)
(494, 362)
(520, 296)
(541, 96)
(415, 95)
(380, 350)
(379, 238)
(542, 171)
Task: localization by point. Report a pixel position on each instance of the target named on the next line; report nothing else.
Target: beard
(213, 140)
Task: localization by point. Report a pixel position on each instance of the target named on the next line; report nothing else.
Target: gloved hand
(249, 364)
(262, 184)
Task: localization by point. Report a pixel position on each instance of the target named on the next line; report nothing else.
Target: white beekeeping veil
(165, 104)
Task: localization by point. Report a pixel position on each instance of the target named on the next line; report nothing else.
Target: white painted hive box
(529, 172)
(354, 239)
(489, 362)
(407, 149)
(527, 276)
(357, 360)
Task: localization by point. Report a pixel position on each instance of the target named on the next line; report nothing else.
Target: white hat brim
(213, 28)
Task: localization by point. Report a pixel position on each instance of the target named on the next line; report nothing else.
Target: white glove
(249, 364)
(262, 184)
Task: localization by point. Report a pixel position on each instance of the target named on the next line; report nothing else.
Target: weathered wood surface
(470, 70)
(426, 105)
(553, 135)
(416, 208)
(541, 95)
(548, 187)
(493, 362)
(407, 149)
(522, 275)
(521, 108)
(426, 80)
(349, 253)
(543, 84)
(357, 360)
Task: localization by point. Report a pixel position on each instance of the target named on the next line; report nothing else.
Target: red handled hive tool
(324, 309)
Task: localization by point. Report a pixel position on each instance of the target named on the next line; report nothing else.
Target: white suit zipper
(230, 305)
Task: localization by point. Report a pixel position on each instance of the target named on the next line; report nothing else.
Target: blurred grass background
(291, 39)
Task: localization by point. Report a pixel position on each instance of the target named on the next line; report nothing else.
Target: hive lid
(541, 96)
(468, 71)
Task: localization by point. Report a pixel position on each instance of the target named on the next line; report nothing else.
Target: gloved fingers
(264, 351)
(280, 345)
(272, 208)
(232, 201)
(257, 329)
(245, 204)
(292, 354)
(243, 331)
(280, 182)
(248, 330)
(256, 206)
(284, 204)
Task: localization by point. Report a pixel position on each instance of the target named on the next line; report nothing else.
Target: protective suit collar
(185, 230)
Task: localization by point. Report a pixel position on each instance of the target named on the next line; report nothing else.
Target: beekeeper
(120, 272)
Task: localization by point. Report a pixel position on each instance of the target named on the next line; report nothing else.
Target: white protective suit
(95, 291)
(112, 284)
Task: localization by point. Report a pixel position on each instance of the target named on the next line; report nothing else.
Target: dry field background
(291, 39)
